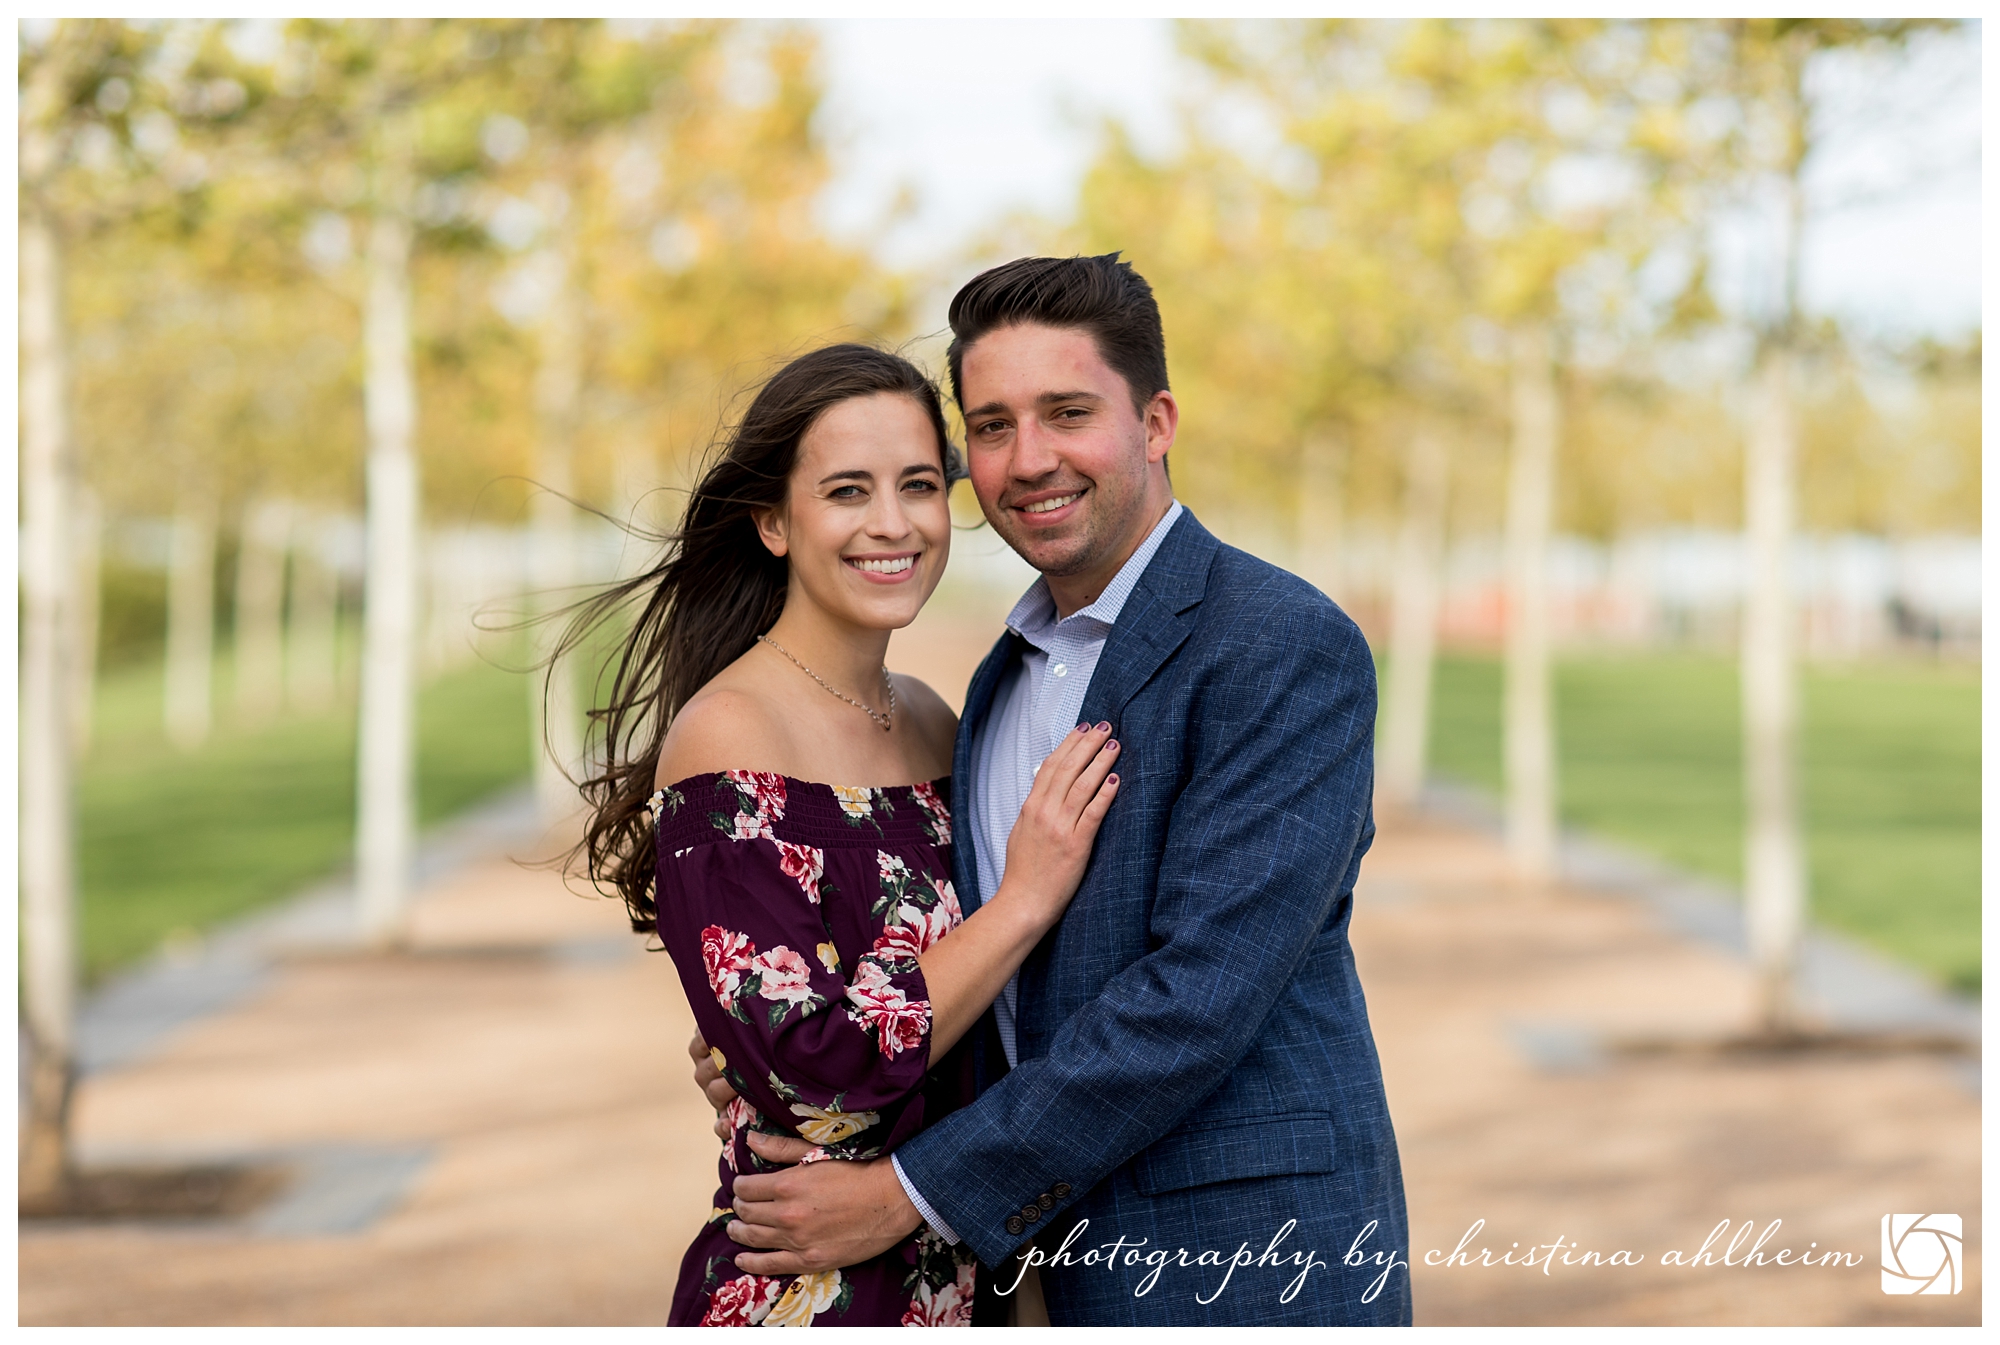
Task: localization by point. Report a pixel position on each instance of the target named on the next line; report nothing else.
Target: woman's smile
(892, 569)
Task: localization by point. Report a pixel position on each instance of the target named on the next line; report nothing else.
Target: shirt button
(1060, 670)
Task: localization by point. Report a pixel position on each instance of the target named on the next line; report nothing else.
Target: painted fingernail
(1081, 727)
(1113, 777)
(1112, 745)
(1104, 726)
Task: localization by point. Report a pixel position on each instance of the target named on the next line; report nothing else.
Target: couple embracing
(1063, 990)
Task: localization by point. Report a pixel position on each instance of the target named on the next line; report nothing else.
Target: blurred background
(1621, 379)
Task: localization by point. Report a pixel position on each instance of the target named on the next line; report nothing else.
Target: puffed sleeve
(826, 1051)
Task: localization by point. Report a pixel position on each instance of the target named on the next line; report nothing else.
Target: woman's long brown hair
(702, 604)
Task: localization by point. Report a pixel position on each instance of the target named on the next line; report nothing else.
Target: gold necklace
(886, 722)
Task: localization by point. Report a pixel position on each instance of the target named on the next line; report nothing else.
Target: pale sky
(984, 117)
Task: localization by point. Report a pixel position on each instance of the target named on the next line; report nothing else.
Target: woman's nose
(886, 517)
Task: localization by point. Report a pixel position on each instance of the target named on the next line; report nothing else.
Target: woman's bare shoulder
(722, 728)
(934, 721)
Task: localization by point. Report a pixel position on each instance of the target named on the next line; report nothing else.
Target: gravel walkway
(496, 1127)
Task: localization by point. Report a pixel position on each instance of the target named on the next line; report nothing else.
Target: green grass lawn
(1649, 755)
(175, 840)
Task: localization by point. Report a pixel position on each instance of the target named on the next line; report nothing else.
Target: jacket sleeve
(1260, 844)
(819, 1048)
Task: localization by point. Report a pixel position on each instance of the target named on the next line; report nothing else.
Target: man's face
(1067, 472)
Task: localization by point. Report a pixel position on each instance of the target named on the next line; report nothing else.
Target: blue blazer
(1196, 1073)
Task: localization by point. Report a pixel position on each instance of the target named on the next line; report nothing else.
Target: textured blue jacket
(1196, 1070)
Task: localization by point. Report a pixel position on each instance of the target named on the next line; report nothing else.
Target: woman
(772, 804)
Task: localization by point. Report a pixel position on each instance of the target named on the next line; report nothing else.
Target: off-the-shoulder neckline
(795, 780)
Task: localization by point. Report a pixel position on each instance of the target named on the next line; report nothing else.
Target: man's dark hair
(1100, 295)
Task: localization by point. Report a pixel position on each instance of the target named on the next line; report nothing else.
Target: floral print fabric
(795, 913)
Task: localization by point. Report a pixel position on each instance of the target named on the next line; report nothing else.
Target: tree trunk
(312, 623)
(1529, 730)
(191, 621)
(260, 607)
(386, 793)
(555, 714)
(1413, 622)
(1322, 513)
(1774, 868)
(86, 545)
(48, 805)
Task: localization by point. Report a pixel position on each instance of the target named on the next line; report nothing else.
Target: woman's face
(865, 525)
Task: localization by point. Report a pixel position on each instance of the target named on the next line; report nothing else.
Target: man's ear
(771, 530)
(1163, 422)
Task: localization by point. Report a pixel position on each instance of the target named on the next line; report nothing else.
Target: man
(1189, 1124)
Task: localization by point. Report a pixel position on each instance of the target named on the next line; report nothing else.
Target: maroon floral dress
(794, 913)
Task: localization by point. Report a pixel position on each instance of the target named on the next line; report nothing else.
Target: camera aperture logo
(1922, 1253)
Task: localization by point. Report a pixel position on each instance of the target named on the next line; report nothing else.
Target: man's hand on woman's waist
(819, 1215)
(809, 1218)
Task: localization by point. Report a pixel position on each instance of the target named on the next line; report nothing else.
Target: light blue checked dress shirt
(1035, 706)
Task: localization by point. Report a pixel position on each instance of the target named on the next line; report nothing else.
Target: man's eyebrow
(1046, 399)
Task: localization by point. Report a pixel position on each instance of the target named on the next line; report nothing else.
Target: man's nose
(1034, 451)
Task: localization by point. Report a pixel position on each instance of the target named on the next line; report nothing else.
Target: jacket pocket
(1265, 1146)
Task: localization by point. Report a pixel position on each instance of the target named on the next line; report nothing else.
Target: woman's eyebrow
(851, 474)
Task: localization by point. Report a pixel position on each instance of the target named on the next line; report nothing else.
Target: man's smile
(1050, 508)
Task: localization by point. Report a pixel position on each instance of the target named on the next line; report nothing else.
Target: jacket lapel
(978, 701)
(1154, 621)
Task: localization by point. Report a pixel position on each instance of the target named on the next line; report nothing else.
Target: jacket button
(1014, 1224)
(1046, 1201)
(1031, 1212)
(1060, 1190)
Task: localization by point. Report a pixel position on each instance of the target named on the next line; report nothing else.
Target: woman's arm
(1046, 855)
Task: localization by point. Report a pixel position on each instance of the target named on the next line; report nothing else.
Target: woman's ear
(771, 530)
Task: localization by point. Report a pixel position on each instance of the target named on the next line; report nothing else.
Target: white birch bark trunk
(190, 681)
(260, 607)
(386, 788)
(555, 713)
(1322, 514)
(86, 607)
(1413, 623)
(312, 619)
(1528, 727)
(48, 804)
(1774, 862)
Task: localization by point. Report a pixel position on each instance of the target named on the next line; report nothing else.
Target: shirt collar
(1034, 616)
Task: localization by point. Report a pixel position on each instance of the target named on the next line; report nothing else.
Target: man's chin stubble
(1064, 560)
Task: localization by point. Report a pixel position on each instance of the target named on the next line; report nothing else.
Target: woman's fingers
(1084, 788)
(1061, 765)
(1072, 755)
(1100, 804)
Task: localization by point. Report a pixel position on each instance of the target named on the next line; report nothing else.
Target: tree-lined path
(508, 1105)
